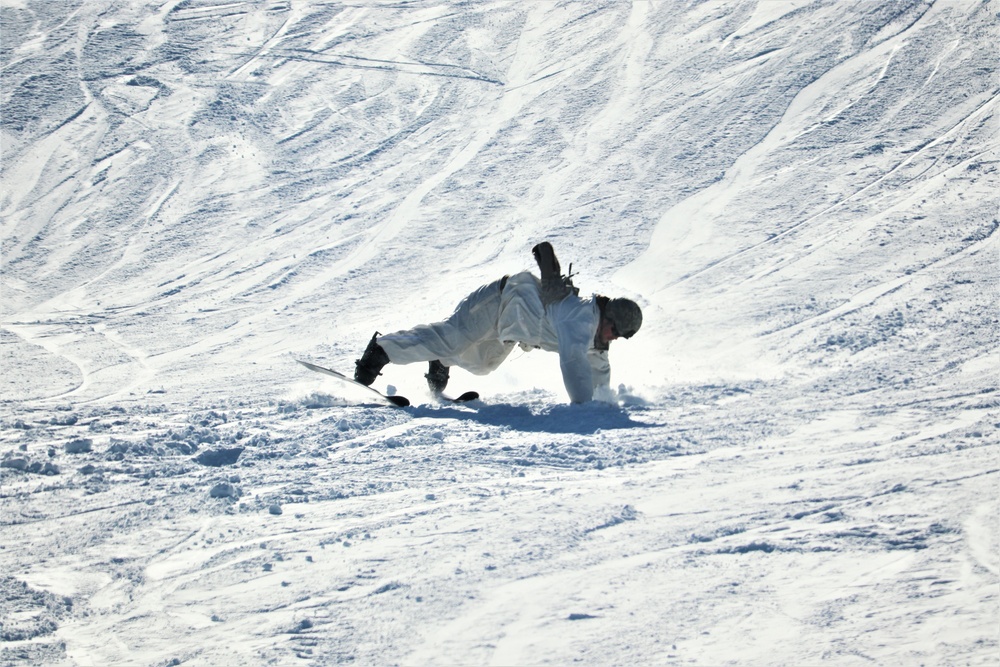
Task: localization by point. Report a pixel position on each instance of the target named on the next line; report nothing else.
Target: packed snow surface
(798, 462)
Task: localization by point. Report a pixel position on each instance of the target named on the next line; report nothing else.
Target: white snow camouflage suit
(488, 323)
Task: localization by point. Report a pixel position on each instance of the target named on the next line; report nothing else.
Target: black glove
(546, 258)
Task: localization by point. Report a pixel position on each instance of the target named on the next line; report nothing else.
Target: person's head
(621, 319)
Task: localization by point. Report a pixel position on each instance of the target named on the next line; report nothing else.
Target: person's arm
(600, 368)
(574, 327)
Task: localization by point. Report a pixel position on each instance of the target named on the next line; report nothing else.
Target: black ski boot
(437, 377)
(370, 365)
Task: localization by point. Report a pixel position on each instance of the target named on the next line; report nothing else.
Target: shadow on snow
(580, 419)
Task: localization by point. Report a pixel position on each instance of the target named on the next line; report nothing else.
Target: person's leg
(473, 323)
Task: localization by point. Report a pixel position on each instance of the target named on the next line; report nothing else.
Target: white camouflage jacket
(568, 327)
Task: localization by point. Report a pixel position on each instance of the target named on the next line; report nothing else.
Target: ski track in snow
(798, 462)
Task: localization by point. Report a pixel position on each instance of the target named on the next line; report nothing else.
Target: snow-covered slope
(799, 465)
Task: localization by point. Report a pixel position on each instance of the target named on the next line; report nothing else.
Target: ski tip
(468, 396)
(398, 401)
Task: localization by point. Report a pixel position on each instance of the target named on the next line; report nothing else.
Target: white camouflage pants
(469, 338)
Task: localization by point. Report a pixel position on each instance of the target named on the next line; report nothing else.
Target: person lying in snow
(521, 309)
